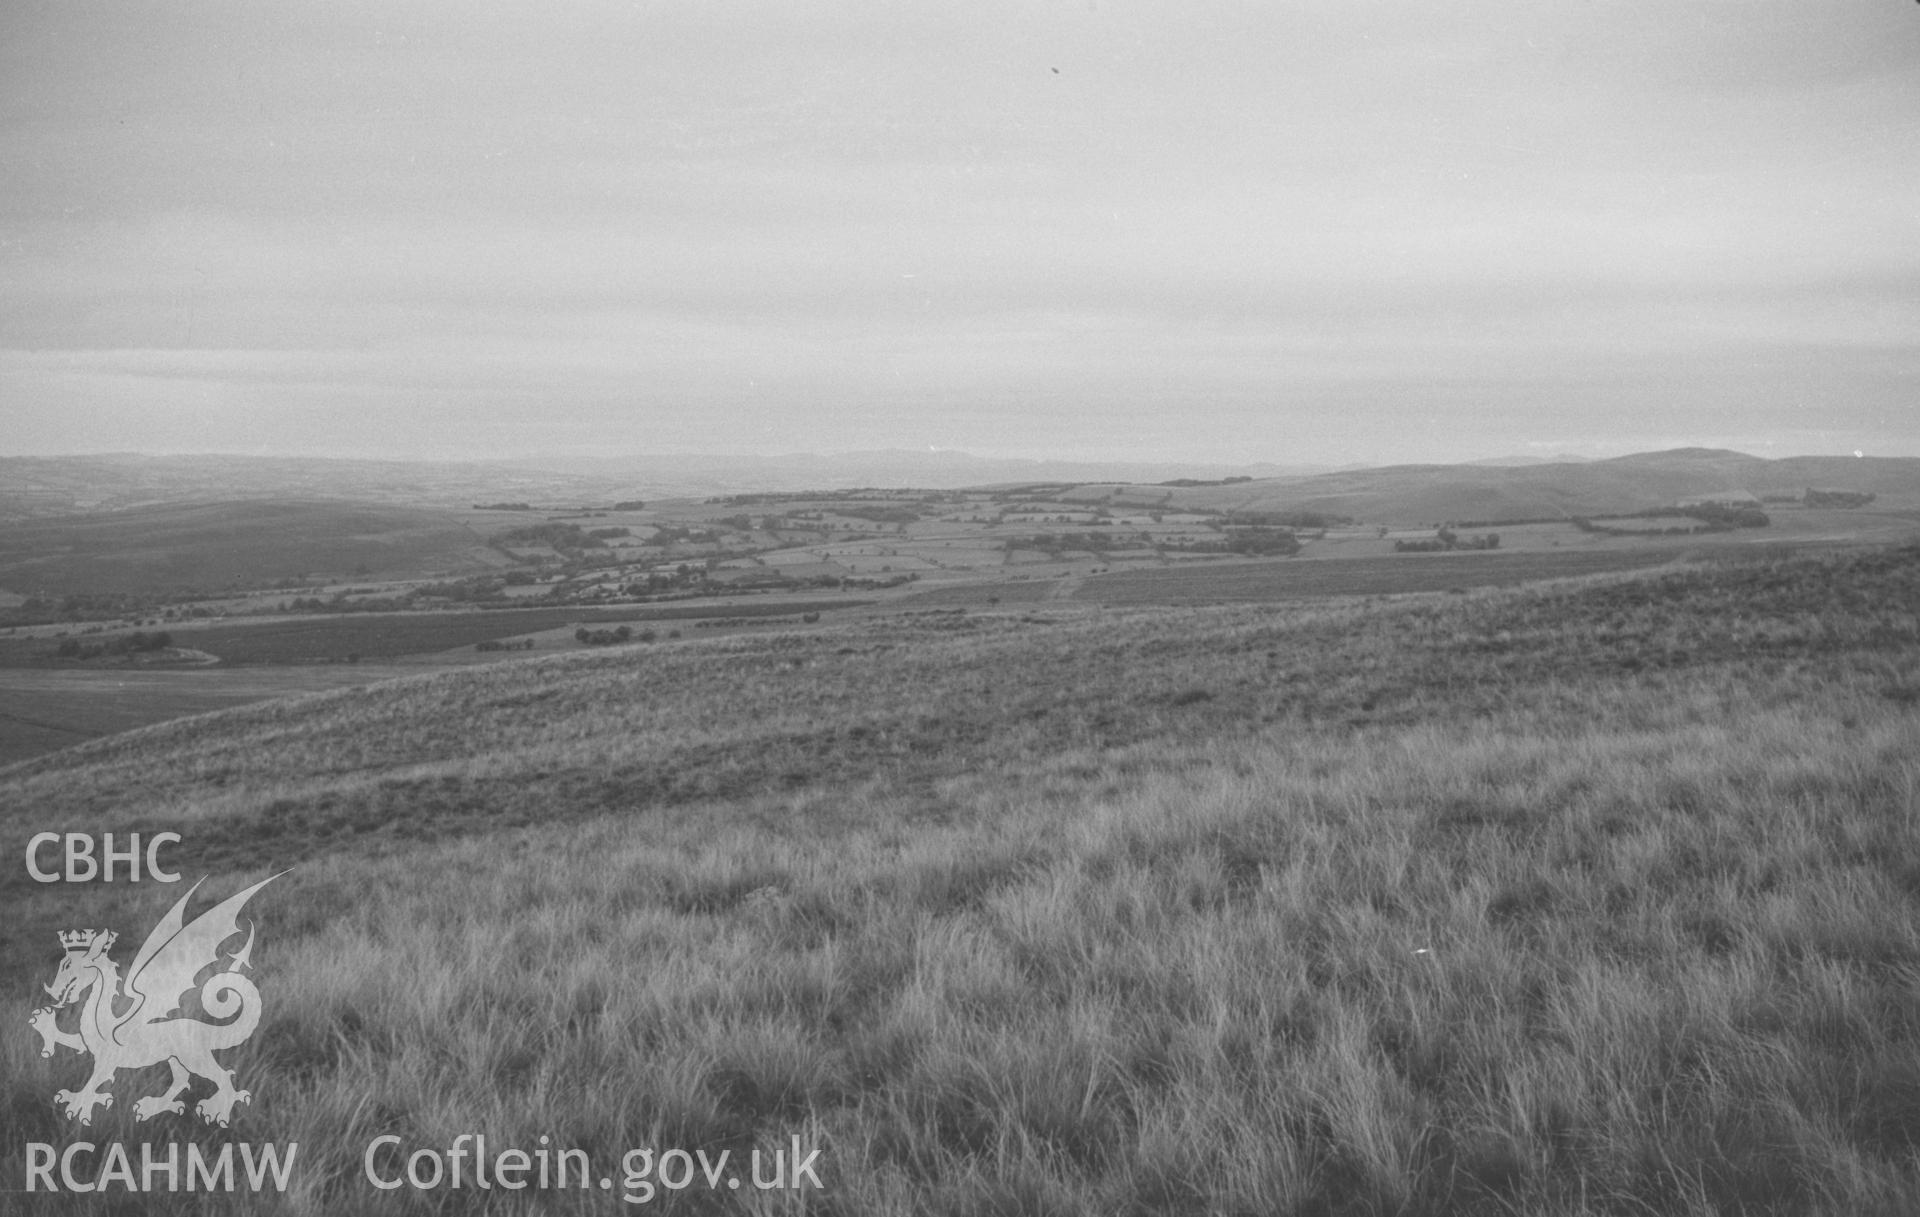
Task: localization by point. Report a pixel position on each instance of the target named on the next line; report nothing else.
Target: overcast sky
(1298, 230)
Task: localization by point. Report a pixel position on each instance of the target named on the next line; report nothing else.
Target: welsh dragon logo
(141, 1022)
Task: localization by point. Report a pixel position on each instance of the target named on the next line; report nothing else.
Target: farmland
(256, 556)
(324, 582)
(1592, 896)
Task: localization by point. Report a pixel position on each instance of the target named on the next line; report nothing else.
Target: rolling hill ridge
(1497, 494)
(246, 543)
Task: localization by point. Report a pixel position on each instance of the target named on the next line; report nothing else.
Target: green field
(1595, 897)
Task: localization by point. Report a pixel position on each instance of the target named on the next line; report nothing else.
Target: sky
(1294, 231)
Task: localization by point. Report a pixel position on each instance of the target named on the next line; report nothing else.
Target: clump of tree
(1254, 541)
(630, 505)
(1263, 542)
(125, 644)
(1058, 542)
(480, 587)
(1836, 498)
(881, 515)
(761, 498)
(1713, 517)
(89, 606)
(660, 580)
(1445, 541)
(501, 507)
(608, 534)
(555, 535)
(1305, 520)
(499, 644)
(341, 604)
(850, 581)
(612, 637)
(677, 535)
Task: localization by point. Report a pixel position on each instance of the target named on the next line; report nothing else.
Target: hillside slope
(248, 543)
(934, 694)
(1597, 896)
(1427, 493)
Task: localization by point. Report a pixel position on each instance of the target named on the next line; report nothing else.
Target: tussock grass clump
(1536, 934)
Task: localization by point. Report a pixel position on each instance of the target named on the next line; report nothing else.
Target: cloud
(743, 209)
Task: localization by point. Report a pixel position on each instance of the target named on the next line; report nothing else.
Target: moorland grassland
(1591, 897)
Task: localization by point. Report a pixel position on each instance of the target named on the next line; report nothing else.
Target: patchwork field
(1590, 897)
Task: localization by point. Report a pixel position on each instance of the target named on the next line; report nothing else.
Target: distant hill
(66, 485)
(126, 523)
(1435, 493)
(1453, 904)
(1500, 488)
(1516, 459)
(211, 546)
(942, 469)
